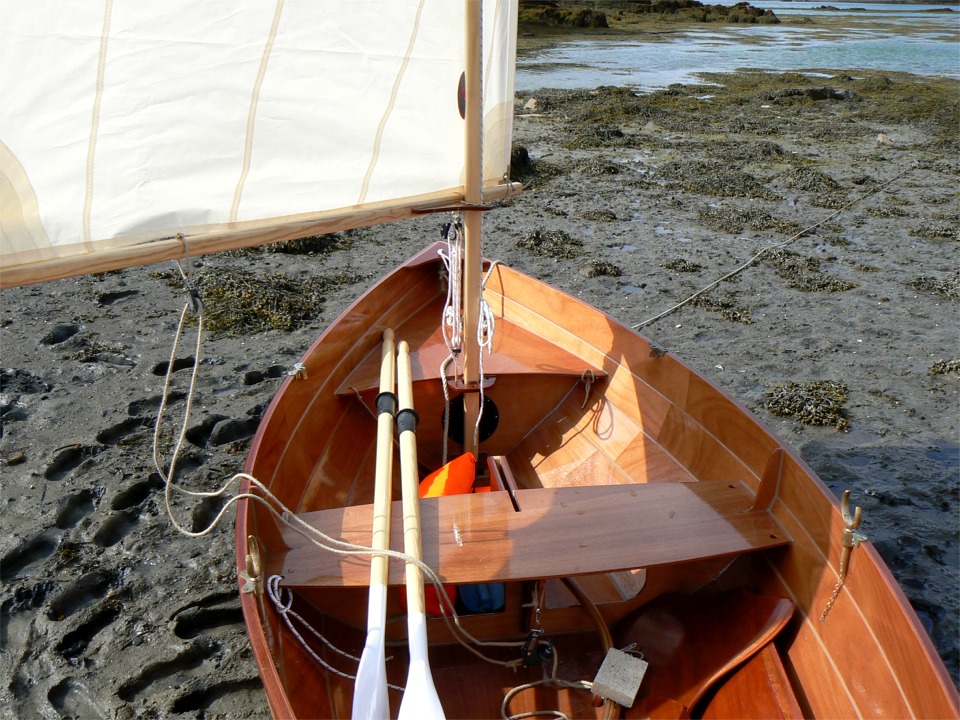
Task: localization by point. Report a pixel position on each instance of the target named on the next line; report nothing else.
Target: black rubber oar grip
(387, 403)
(407, 419)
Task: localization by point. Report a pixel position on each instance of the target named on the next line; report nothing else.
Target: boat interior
(620, 501)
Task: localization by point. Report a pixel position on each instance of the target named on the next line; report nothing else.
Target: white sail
(132, 132)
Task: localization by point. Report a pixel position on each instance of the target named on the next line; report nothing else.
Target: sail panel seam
(252, 114)
(378, 140)
(95, 120)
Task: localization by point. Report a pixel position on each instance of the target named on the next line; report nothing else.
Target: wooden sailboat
(619, 501)
(629, 525)
(687, 528)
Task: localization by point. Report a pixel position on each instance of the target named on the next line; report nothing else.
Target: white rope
(452, 324)
(446, 405)
(452, 321)
(280, 512)
(285, 612)
(486, 328)
(552, 680)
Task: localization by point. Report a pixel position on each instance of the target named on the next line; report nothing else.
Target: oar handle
(383, 477)
(370, 697)
(409, 479)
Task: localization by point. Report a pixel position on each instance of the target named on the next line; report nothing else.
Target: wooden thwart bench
(557, 532)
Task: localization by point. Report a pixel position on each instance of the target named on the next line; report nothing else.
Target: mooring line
(777, 246)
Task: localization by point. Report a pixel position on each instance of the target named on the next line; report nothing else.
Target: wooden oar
(370, 701)
(420, 701)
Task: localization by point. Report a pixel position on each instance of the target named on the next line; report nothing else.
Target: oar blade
(370, 700)
(420, 700)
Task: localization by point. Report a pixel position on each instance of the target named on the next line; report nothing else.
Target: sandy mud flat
(634, 203)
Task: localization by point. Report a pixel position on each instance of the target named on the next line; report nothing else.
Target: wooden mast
(473, 195)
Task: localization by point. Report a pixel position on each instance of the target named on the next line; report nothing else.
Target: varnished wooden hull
(707, 502)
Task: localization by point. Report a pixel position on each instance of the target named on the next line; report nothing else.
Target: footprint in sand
(24, 559)
(116, 527)
(73, 508)
(138, 407)
(75, 642)
(69, 459)
(179, 364)
(117, 434)
(60, 333)
(109, 298)
(189, 659)
(70, 698)
(81, 594)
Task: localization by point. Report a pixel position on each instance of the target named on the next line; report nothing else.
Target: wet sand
(633, 204)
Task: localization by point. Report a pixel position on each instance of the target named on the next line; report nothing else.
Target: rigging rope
(452, 321)
(280, 512)
(770, 248)
(554, 681)
(452, 325)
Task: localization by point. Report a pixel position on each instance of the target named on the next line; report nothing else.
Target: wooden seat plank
(558, 532)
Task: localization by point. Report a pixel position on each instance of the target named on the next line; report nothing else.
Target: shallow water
(906, 38)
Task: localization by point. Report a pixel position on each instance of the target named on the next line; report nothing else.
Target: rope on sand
(769, 248)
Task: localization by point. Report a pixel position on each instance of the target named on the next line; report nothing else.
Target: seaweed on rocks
(617, 14)
(815, 403)
(808, 94)
(733, 220)
(553, 15)
(752, 151)
(598, 268)
(945, 367)
(552, 243)
(683, 265)
(241, 302)
(598, 215)
(936, 231)
(810, 180)
(532, 172)
(598, 135)
(598, 167)
(726, 306)
(715, 179)
(948, 287)
(312, 245)
(522, 167)
(803, 273)
(886, 210)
